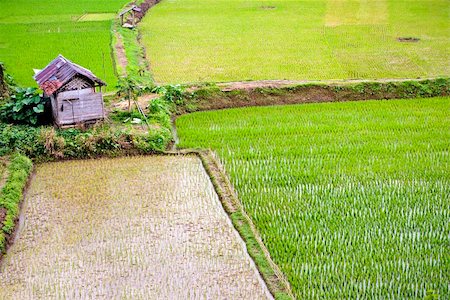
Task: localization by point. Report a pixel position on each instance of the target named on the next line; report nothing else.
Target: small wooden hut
(128, 16)
(75, 92)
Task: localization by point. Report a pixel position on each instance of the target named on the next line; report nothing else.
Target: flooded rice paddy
(127, 228)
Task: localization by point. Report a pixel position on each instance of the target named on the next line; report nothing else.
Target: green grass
(3, 167)
(351, 199)
(217, 40)
(97, 17)
(32, 33)
(11, 194)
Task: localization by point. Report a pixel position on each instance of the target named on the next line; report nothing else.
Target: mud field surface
(140, 227)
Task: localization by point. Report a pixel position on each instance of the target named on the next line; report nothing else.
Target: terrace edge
(275, 280)
(212, 96)
(20, 174)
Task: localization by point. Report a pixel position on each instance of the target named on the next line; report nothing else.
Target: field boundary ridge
(128, 53)
(275, 280)
(20, 172)
(213, 96)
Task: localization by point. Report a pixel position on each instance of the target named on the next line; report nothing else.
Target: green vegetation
(273, 277)
(32, 33)
(11, 195)
(97, 17)
(351, 199)
(122, 133)
(210, 96)
(136, 63)
(24, 111)
(3, 167)
(26, 107)
(47, 143)
(210, 40)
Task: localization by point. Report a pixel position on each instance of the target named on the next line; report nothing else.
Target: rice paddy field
(218, 40)
(127, 228)
(351, 199)
(33, 32)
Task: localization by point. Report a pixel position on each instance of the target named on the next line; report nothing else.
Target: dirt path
(249, 85)
(121, 58)
(139, 227)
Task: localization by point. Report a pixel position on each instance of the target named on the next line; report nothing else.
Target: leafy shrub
(156, 140)
(160, 118)
(158, 105)
(20, 137)
(24, 107)
(171, 93)
(7, 83)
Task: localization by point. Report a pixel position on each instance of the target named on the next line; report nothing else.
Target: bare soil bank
(279, 92)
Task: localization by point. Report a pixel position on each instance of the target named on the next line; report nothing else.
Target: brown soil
(142, 100)
(2, 215)
(249, 85)
(3, 86)
(145, 6)
(280, 92)
(252, 97)
(267, 7)
(408, 39)
(120, 52)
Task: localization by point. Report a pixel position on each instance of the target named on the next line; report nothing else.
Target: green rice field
(33, 32)
(218, 40)
(351, 199)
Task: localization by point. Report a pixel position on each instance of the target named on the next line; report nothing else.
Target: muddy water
(135, 228)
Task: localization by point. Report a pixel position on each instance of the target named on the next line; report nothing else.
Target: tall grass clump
(48, 143)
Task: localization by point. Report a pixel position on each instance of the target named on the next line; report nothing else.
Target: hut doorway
(68, 108)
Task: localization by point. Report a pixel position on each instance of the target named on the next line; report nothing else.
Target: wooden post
(129, 100)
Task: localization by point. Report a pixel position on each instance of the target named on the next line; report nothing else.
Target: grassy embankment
(18, 170)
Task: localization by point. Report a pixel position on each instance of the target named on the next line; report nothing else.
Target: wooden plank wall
(79, 106)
